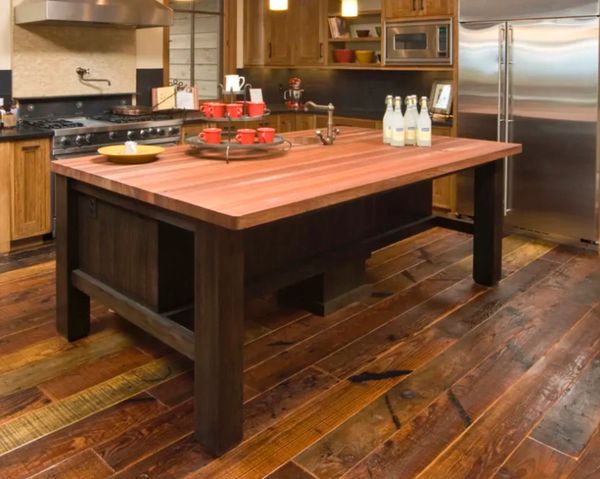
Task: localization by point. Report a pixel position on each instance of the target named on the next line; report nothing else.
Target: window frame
(227, 38)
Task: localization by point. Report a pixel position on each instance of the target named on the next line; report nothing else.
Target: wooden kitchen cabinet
(288, 122)
(433, 8)
(348, 121)
(279, 37)
(400, 8)
(296, 37)
(311, 36)
(24, 190)
(411, 8)
(254, 32)
(306, 122)
(30, 191)
(6, 153)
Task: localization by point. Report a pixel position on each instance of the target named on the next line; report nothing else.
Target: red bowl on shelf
(341, 55)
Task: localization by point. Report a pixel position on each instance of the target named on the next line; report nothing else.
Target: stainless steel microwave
(414, 42)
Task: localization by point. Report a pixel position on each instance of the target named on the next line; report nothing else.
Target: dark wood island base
(181, 267)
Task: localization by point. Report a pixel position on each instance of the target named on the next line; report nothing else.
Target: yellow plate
(145, 154)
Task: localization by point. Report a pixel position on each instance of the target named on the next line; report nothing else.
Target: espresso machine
(293, 95)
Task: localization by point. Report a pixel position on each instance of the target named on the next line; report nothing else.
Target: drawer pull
(30, 147)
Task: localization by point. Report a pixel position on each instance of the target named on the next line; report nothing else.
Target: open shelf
(355, 40)
(355, 65)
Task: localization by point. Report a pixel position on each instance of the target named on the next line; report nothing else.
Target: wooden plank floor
(430, 376)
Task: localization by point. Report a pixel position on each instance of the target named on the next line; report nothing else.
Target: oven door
(419, 42)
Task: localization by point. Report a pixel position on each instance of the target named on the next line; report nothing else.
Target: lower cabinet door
(30, 191)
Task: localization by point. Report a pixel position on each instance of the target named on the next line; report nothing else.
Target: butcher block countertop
(243, 194)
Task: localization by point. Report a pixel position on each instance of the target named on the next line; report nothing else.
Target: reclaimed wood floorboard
(430, 376)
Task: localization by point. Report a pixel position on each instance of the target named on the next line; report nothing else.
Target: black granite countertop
(23, 133)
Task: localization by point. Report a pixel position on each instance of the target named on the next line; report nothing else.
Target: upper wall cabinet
(411, 8)
(279, 27)
(254, 32)
(297, 36)
(311, 35)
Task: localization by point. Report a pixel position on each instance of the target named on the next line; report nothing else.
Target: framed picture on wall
(441, 98)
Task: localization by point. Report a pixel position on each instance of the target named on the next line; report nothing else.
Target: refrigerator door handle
(501, 78)
(508, 133)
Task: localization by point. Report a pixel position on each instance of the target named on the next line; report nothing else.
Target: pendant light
(349, 8)
(278, 5)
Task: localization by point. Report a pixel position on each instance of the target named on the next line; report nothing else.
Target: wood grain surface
(243, 194)
(430, 376)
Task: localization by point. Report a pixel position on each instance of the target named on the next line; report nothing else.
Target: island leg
(489, 223)
(72, 305)
(219, 337)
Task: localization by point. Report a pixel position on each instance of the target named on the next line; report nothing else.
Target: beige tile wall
(45, 58)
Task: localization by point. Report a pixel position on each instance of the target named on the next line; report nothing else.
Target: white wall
(5, 34)
(150, 48)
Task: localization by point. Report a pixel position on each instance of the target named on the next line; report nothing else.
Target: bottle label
(411, 134)
(424, 137)
(398, 135)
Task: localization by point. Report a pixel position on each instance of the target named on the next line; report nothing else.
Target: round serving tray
(231, 150)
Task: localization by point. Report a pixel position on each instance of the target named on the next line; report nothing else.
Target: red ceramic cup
(207, 109)
(266, 135)
(211, 136)
(256, 108)
(213, 109)
(218, 110)
(245, 136)
(234, 110)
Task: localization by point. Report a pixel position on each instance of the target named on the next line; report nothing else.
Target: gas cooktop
(111, 118)
(52, 124)
(85, 134)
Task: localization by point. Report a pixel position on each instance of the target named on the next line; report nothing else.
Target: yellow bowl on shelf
(364, 56)
(145, 154)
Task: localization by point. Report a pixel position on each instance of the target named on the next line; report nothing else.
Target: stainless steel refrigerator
(528, 73)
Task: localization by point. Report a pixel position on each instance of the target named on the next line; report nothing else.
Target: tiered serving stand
(229, 149)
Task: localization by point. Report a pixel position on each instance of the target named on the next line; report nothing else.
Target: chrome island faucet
(331, 131)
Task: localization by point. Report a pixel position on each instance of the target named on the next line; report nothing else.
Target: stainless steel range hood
(117, 13)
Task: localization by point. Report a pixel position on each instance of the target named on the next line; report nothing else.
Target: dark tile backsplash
(5, 84)
(147, 78)
(70, 106)
(356, 92)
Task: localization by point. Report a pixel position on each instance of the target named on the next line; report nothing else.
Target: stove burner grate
(54, 124)
(131, 119)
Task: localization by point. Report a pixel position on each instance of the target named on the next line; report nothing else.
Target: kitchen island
(177, 245)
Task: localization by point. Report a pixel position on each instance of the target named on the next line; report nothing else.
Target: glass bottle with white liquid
(398, 131)
(387, 119)
(424, 125)
(410, 120)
